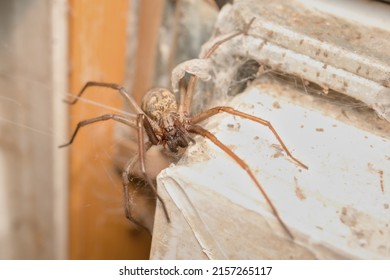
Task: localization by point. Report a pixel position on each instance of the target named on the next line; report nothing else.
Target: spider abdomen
(158, 102)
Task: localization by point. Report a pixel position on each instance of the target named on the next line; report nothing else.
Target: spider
(169, 123)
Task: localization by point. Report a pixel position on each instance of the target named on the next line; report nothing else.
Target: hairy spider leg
(115, 117)
(126, 183)
(117, 87)
(213, 111)
(132, 123)
(135, 124)
(205, 133)
(186, 104)
(141, 152)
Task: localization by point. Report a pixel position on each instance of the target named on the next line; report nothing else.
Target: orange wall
(98, 228)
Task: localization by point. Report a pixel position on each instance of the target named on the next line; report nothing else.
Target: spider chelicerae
(169, 123)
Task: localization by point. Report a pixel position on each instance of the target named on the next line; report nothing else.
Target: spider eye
(168, 129)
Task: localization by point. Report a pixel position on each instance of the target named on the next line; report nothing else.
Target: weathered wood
(98, 228)
(32, 170)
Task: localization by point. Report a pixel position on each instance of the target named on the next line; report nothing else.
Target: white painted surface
(372, 13)
(339, 208)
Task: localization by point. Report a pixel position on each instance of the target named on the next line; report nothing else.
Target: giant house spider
(169, 123)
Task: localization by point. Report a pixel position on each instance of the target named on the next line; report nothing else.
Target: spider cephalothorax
(168, 122)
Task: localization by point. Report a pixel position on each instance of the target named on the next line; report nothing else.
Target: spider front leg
(127, 172)
(139, 124)
(201, 131)
(213, 111)
(106, 117)
(143, 123)
(117, 87)
(128, 122)
(205, 133)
